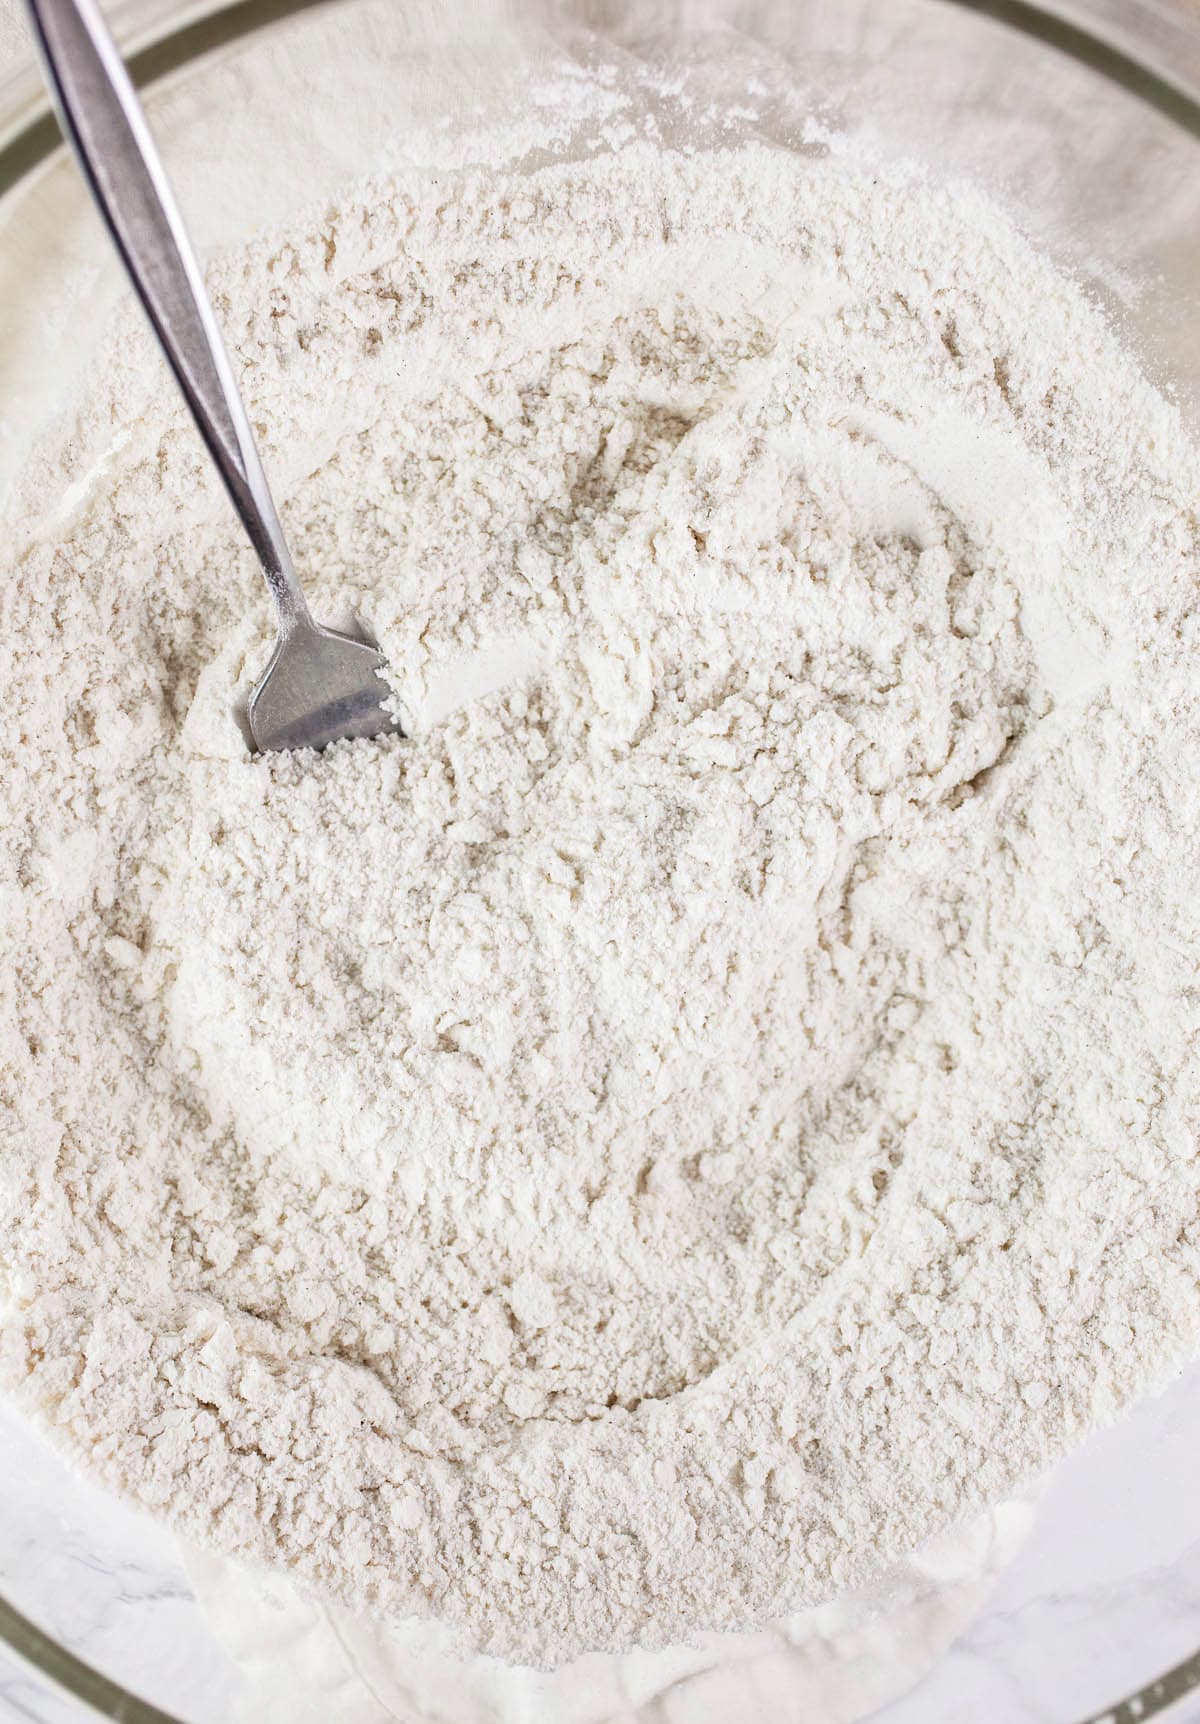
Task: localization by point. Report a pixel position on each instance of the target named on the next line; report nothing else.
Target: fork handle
(103, 120)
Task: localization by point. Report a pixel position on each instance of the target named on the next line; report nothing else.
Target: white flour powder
(715, 1104)
(305, 1661)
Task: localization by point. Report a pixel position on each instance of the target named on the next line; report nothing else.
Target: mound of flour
(716, 1102)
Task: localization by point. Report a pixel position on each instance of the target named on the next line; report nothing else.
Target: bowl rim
(1150, 48)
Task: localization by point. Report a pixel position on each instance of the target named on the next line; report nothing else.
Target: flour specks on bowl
(715, 1103)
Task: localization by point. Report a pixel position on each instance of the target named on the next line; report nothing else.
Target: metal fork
(320, 684)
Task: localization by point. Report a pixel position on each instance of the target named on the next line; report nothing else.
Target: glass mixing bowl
(1084, 117)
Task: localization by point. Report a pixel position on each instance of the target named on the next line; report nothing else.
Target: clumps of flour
(717, 1104)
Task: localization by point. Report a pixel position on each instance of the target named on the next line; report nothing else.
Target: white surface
(1104, 1597)
(104, 1580)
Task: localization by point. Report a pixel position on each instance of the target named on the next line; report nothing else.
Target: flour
(716, 1105)
(304, 1661)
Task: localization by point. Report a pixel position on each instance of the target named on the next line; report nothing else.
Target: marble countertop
(1104, 1597)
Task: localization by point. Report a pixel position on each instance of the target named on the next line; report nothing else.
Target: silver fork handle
(104, 122)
